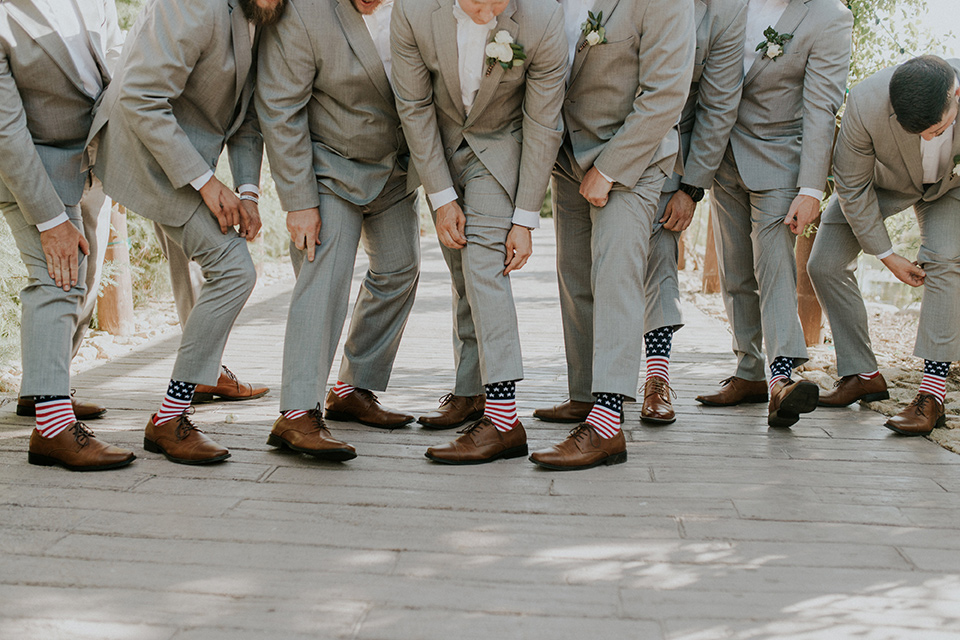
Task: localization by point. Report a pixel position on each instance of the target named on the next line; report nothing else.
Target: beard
(260, 16)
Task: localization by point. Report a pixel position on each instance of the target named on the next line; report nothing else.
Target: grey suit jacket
(875, 157)
(326, 107)
(181, 94)
(787, 118)
(625, 97)
(45, 114)
(711, 107)
(514, 125)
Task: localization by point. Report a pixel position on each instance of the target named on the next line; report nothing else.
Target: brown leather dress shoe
(921, 416)
(454, 411)
(77, 449)
(849, 389)
(569, 411)
(308, 434)
(657, 407)
(735, 391)
(482, 442)
(789, 400)
(181, 441)
(82, 410)
(363, 406)
(227, 389)
(584, 448)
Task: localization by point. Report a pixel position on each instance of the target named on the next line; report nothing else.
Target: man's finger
(84, 246)
(311, 251)
(74, 268)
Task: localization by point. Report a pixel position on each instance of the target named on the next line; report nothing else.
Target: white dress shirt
(378, 24)
(574, 15)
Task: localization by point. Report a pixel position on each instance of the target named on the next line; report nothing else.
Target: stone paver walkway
(715, 528)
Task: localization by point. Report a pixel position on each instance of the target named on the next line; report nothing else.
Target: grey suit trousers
(601, 263)
(229, 278)
(95, 213)
(662, 282)
(186, 278)
(758, 271)
(389, 228)
(486, 336)
(833, 262)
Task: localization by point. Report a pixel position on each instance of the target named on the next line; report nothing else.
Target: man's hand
(451, 224)
(595, 189)
(679, 212)
(304, 227)
(803, 211)
(249, 220)
(907, 272)
(519, 247)
(223, 202)
(60, 249)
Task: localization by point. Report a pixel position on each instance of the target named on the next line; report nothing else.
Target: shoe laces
(842, 380)
(474, 426)
(583, 430)
(231, 375)
(81, 433)
(661, 387)
(920, 402)
(446, 399)
(727, 381)
(316, 414)
(184, 426)
(367, 394)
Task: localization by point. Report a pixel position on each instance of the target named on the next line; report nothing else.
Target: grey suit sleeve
(824, 85)
(413, 88)
(720, 87)
(542, 124)
(667, 48)
(157, 71)
(854, 161)
(20, 165)
(245, 148)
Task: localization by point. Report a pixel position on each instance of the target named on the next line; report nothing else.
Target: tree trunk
(711, 269)
(811, 315)
(115, 306)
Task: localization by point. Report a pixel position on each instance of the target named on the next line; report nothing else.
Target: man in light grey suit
(182, 94)
(771, 181)
(479, 86)
(899, 147)
(705, 126)
(53, 68)
(631, 65)
(340, 161)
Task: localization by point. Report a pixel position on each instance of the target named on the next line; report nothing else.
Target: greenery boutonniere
(593, 33)
(956, 166)
(504, 50)
(773, 43)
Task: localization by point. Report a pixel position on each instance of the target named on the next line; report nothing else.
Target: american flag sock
(605, 415)
(176, 402)
(293, 414)
(868, 376)
(501, 407)
(342, 389)
(780, 369)
(54, 414)
(934, 379)
(659, 342)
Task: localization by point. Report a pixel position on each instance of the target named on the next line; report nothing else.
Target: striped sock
(934, 379)
(780, 369)
(293, 414)
(501, 407)
(605, 415)
(868, 376)
(659, 342)
(176, 402)
(54, 414)
(342, 389)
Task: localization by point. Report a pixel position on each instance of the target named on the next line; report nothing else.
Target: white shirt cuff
(813, 193)
(249, 188)
(56, 222)
(885, 254)
(526, 218)
(197, 183)
(605, 176)
(441, 198)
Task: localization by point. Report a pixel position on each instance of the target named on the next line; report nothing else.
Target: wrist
(696, 193)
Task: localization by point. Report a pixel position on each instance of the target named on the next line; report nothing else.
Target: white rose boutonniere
(956, 166)
(773, 43)
(503, 50)
(593, 33)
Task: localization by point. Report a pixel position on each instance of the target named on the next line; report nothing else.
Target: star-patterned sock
(868, 376)
(342, 389)
(780, 369)
(293, 414)
(935, 379)
(501, 405)
(54, 414)
(605, 415)
(176, 402)
(659, 342)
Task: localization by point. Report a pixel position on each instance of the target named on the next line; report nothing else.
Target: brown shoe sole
(941, 422)
(567, 420)
(348, 417)
(803, 399)
(153, 447)
(47, 461)
(869, 397)
(513, 452)
(617, 458)
(644, 418)
(334, 455)
(476, 415)
(204, 398)
(757, 399)
(31, 412)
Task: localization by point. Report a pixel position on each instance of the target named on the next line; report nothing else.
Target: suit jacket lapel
(448, 57)
(32, 21)
(94, 39)
(792, 16)
(358, 37)
(701, 11)
(910, 150)
(242, 47)
(605, 7)
(489, 82)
